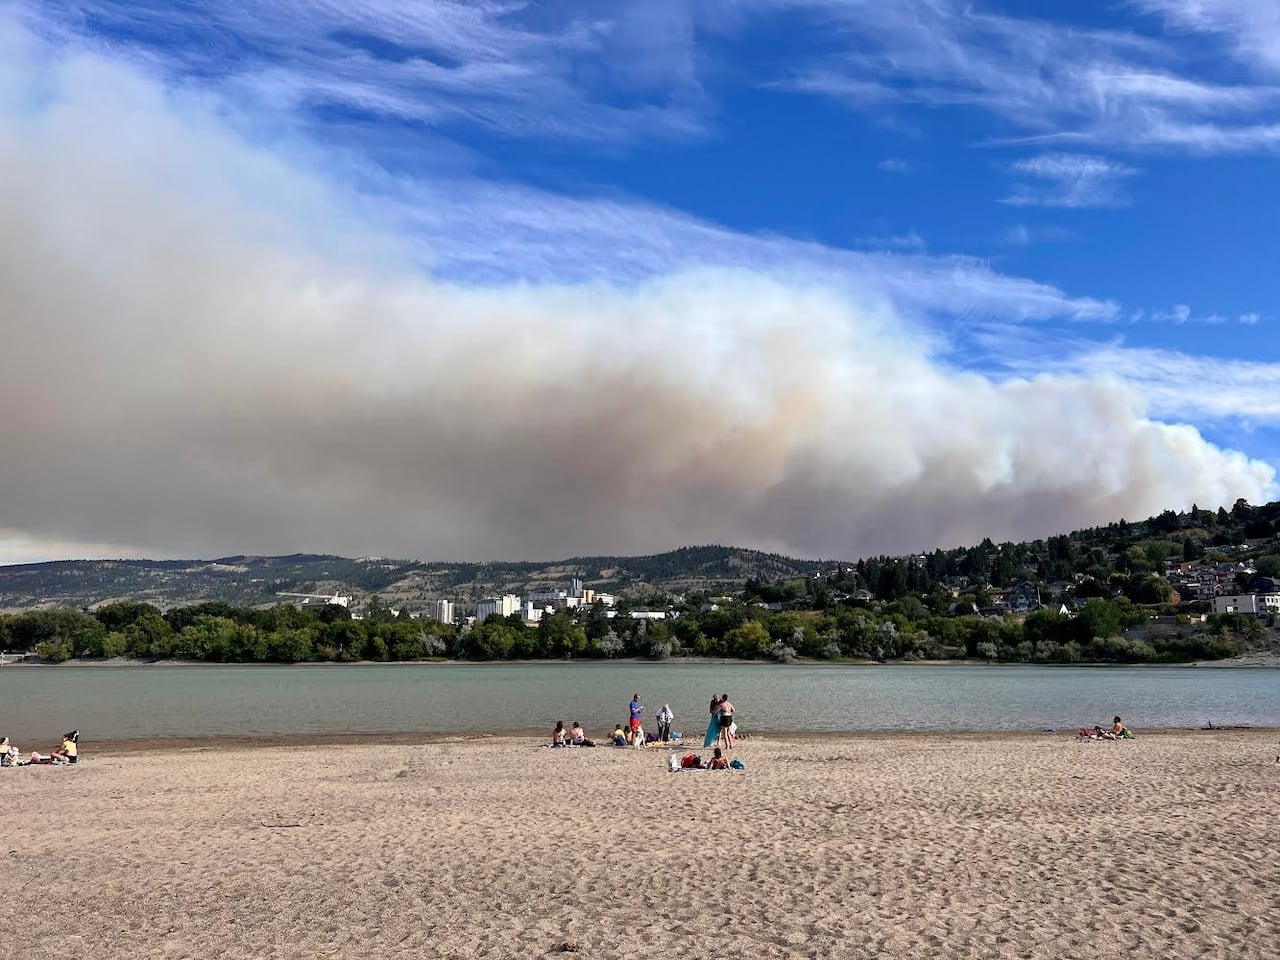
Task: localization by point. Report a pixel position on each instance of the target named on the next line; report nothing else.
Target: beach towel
(713, 731)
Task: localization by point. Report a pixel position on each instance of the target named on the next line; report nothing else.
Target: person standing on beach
(713, 725)
(725, 719)
(637, 708)
(665, 718)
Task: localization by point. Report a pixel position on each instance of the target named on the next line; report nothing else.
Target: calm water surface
(143, 702)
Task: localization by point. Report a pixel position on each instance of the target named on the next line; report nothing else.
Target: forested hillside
(255, 581)
(1127, 592)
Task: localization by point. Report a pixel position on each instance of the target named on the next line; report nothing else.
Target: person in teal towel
(713, 728)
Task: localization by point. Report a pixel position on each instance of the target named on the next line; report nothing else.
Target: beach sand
(914, 846)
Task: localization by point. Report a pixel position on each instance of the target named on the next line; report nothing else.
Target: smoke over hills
(204, 353)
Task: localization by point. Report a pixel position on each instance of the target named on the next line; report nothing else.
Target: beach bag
(689, 761)
(737, 764)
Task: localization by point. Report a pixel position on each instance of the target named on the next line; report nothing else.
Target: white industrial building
(441, 611)
(503, 606)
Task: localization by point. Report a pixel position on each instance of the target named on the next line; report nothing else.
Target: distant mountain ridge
(1121, 556)
(246, 580)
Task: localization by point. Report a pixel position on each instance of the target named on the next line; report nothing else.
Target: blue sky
(1053, 189)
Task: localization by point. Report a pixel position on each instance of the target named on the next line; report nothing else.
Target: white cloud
(1251, 26)
(1016, 236)
(213, 349)
(511, 68)
(910, 241)
(1042, 79)
(1022, 235)
(1186, 386)
(1070, 180)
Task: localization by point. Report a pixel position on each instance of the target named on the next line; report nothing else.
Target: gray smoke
(204, 354)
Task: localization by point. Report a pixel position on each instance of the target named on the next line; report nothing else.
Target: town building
(503, 606)
(1256, 604)
(441, 611)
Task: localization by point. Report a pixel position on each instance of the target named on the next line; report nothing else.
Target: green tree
(1150, 589)
(149, 636)
(117, 616)
(61, 633)
(376, 611)
(491, 640)
(1269, 565)
(748, 641)
(559, 636)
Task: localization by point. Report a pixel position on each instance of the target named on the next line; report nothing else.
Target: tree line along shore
(1103, 630)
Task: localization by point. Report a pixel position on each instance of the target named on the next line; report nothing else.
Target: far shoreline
(1252, 660)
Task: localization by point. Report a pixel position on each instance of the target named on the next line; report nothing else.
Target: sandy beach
(919, 846)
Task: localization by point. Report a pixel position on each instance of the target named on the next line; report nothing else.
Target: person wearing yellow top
(67, 753)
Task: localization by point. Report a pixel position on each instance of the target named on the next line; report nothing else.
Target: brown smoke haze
(202, 355)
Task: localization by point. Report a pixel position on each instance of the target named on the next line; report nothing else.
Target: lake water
(145, 702)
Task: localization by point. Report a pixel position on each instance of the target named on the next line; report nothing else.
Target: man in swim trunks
(637, 708)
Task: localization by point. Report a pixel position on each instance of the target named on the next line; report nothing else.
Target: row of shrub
(221, 633)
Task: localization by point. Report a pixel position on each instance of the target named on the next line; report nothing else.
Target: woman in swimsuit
(725, 719)
(558, 736)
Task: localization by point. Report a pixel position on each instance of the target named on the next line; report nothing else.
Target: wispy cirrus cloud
(510, 68)
(899, 165)
(1040, 79)
(1069, 180)
(1022, 235)
(1252, 27)
(487, 232)
(1186, 386)
(895, 241)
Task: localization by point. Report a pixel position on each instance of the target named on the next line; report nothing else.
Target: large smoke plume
(202, 354)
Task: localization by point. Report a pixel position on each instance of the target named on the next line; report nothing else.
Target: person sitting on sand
(577, 738)
(67, 752)
(619, 736)
(718, 761)
(10, 756)
(559, 738)
(1119, 730)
